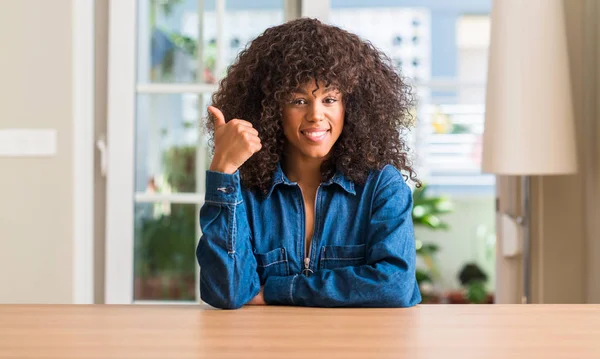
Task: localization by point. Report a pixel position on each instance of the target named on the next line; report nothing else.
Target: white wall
(36, 193)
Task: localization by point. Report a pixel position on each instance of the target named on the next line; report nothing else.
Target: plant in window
(473, 280)
(167, 45)
(164, 251)
(427, 212)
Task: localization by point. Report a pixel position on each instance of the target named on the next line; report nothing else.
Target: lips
(315, 135)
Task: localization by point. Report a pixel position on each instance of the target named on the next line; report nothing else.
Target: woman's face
(313, 121)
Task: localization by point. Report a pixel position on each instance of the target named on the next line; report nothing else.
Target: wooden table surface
(425, 331)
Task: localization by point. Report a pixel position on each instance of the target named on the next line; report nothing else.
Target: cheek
(339, 119)
(288, 125)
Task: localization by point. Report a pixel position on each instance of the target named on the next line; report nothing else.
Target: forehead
(311, 87)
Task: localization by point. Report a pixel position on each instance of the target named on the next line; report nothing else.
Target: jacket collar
(280, 178)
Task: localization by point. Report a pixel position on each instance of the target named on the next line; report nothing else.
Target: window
(452, 116)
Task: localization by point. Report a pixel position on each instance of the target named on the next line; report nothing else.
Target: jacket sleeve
(228, 277)
(388, 277)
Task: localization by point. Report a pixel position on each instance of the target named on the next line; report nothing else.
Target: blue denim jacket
(362, 252)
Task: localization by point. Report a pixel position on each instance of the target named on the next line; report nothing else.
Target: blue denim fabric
(362, 252)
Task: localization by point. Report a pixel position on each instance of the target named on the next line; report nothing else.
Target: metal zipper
(307, 269)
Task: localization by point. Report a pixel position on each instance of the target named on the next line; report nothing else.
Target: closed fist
(235, 142)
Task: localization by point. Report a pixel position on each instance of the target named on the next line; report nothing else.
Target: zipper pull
(307, 270)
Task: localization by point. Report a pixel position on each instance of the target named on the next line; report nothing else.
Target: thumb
(219, 118)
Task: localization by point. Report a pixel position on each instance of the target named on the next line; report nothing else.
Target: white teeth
(315, 134)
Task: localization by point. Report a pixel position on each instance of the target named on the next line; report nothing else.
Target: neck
(305, 171)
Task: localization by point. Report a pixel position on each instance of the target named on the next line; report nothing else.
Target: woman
(305, 201)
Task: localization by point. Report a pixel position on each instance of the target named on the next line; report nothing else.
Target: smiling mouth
(315, 136)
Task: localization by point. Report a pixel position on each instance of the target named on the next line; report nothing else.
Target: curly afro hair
(377, 101)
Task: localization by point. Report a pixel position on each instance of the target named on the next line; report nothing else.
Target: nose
(317, 114)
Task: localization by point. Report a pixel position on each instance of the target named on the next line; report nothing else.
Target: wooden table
(425, 331)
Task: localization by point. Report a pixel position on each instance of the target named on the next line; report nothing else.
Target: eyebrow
(326, 89)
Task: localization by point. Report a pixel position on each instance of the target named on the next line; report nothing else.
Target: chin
(317, 155)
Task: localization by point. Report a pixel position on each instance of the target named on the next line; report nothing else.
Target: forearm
(228, 277)
(227, 280)
(381, 285)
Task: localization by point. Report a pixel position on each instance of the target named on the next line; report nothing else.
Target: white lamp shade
(529, 123)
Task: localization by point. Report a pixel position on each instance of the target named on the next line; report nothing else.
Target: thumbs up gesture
(235, 142)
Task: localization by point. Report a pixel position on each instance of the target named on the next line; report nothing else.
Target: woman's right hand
(235, 142)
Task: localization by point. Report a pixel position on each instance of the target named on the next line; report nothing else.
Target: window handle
(102, 148)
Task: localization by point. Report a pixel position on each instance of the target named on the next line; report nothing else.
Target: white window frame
(120, 152)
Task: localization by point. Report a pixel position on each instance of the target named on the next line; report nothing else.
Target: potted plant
(473, 281)
(427, 212)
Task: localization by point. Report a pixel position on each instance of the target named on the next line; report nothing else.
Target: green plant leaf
(476, 292)
(419, 211)
(443, 205)
(423, 277)
(180, 168)
(427, 209)
(428, 249)
(471, 273)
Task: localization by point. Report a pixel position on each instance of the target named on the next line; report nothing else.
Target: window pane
(403, 33)
(165, 241)
(169, 30)
(168, 128)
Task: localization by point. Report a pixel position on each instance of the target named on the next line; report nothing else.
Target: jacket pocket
(272, 263)
(342, 256)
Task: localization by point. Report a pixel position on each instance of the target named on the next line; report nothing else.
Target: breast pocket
(272, 263)
(342, 256)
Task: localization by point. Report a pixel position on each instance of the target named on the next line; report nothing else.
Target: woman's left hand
(259, 299)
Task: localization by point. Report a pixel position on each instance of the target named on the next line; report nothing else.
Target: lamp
(529, 123)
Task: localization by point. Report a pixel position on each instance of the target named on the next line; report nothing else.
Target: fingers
(249, 130)
(251, 138)
(234, 131)
(253, 142)
(219, 118)
(255, 146)
(242, 123)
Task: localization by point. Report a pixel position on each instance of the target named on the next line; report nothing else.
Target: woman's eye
(299, 102)
(330, 100)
